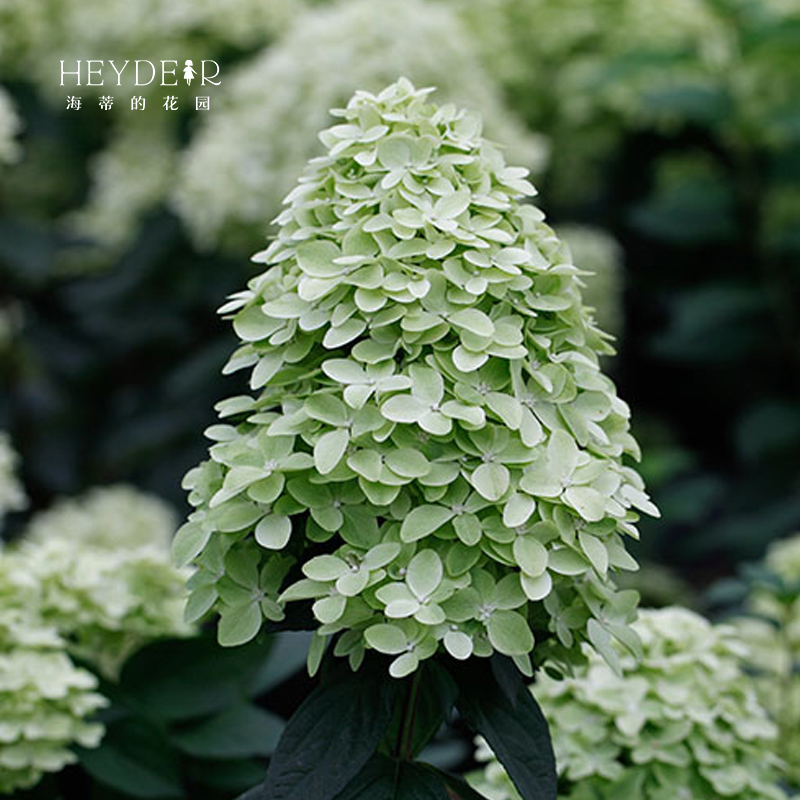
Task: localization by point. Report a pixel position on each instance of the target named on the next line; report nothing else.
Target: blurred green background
(672, 128)
(664, 139)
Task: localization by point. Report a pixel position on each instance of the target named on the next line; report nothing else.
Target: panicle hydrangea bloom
(684, 722)
(110, 517)
(45, 700)
(31, 33)
(431, 453)
(12, 494)
(10, 126)
(599, 253)
(248, 154)
(103, 575)
(773, 634)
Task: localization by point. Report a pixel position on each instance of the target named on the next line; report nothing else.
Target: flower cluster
(103, 579)
(45, 699)
(110, 517)
(31, 32)
(684, 722)
(432, 454)
(12, 494)
(599, 253)
(248, 154)
(9, 128)
(773, 634)
(134, 172)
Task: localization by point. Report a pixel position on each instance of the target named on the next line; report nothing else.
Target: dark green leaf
(495, 701)
(185, 679)
(385, 779)
(435, 697)
(287, 656)
(332, 735)
(135, 759)
(240, 731)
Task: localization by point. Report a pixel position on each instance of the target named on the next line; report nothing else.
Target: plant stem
(405, 734)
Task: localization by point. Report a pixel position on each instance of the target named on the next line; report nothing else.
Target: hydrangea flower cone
(681, 722)
(430, 453)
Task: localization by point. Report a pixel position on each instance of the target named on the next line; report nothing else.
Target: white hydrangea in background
(45, 700)
(12, 493)
(103, 575)
(10, 126)
(110, 518)
(31, 34)
(247, 155)
(773, 633)
(129, 177)
(685, 722)
(599, 253)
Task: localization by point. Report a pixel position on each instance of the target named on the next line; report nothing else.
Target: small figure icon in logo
(189, 72)
(202, 103)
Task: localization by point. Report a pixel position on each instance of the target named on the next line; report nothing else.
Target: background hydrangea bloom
(684, 722)
(45, 699)
(599, 253)
(247, 155)
(773, 634)
(132, 173)
(431, 449)
(110, 517)
(9, 127)
(601, 70)
(103, 579)
(12, 494)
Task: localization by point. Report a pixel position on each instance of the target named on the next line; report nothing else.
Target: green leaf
(600, 639)
(189, 541)
(273, 532)
(531, 555)
(491, 481)
(518, 510)
(240, 731)
(424, 573)
(509, 633)
(239, 625)
(135, 759)
(423, 521)
(329, 449)
(595, 551)
(588, 502)
(408, 463)
(452, 205)
(190, 678)
(496, 702)
(316, 257)
(325, 568)
(333, 734)
(474, 321)
(387, 639)
(343, 370)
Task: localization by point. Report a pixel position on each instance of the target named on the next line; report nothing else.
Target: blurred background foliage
(664, 139)
(674, 129)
